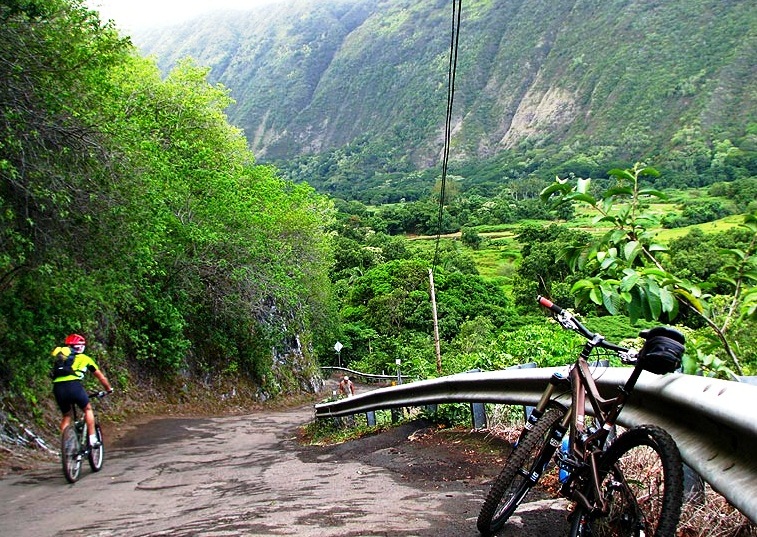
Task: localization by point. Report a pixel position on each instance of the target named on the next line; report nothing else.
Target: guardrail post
(478, 411)
(371, 418)
(396, 415)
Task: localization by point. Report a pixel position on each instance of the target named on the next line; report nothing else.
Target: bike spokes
(70, 455)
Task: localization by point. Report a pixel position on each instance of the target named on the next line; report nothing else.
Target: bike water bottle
(564, 447)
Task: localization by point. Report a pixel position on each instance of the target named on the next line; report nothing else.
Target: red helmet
(75, 339)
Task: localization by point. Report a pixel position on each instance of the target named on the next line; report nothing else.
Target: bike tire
(96, 455)
(641, 476)
(512, 484)
(70, 454)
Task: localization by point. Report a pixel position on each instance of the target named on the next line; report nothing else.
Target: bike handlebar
(547, 303)
(100, 394)
(568, 320)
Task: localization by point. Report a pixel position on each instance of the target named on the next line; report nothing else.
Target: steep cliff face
(624, 74)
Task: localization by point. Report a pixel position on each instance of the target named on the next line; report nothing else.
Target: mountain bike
(625, 485)
(75, 444)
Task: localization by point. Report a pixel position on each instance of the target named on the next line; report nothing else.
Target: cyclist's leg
(63, 399)
(79, 397)
(89, 418)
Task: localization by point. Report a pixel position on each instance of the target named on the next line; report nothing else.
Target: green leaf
(560, 188)
(635, 310)
(607, 204)
(653, 298)
(652, 172)
(629, 282)
(631, 250)
(577, 196)
(582, 284)
(653, 271)
(653, 192)
(621, 174)
(618, 191)
(735, 252)
(596, 295)
(750, 222)
(608, 262)
(668, 300)
(610, 299)
(583, 185)
(750, 275)
(617, 236)
(690, 298)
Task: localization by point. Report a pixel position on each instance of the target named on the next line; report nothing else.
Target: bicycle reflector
(662, 350)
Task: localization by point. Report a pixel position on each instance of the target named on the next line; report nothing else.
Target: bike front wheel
(641, 487)
(96, 455)
(513, 483)
(70, 454)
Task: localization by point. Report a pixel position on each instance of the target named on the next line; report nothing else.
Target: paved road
(243, 475)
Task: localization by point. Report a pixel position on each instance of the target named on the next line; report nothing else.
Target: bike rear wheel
(513, 483)
(96, 455)
(641, 478)
(70, 454)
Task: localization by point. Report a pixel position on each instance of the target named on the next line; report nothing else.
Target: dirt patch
(419, 450)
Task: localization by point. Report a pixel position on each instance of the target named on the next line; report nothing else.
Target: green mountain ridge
(618, 79)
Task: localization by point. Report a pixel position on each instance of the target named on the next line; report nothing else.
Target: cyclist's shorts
(69, 393)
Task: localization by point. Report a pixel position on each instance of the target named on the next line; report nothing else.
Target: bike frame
(584, 446)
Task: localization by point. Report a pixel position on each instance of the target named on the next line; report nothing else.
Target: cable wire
(451, 72)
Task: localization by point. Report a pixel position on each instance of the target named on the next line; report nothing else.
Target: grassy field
(499, 254)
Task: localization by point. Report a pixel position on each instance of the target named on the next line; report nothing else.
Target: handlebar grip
(545, 302)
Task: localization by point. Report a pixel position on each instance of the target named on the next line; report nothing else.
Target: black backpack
(63, 365)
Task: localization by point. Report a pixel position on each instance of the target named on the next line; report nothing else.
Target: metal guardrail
(367, 376)
(711, 420)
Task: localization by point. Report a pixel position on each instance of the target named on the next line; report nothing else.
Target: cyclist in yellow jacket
(67, 386)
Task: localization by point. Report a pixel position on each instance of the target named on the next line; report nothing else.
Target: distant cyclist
(346, 387)
(71, 367)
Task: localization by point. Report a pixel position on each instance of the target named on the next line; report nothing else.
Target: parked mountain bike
(74, 444)
(625, 485)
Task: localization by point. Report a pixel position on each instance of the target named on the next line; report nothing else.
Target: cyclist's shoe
(96, 445)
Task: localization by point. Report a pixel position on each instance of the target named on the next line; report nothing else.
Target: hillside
(620, 79)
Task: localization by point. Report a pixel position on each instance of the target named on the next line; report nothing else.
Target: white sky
(132, 14)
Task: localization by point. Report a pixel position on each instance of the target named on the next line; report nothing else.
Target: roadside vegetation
(132, 212)
(612, 259)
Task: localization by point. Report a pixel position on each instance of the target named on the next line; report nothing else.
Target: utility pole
(436, 323)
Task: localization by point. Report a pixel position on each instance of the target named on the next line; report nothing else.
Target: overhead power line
(457, 6)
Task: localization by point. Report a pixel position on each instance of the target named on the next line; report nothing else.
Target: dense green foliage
(134, 213)
(627, 269)
(356, 90)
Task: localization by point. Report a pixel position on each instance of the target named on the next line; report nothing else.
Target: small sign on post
(338, 348)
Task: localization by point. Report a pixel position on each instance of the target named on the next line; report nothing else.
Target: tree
(626, 263)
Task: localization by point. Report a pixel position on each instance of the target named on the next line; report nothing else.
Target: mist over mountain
(608, 80)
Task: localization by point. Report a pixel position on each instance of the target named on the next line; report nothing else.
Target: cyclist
(346, 387)
(68, 389)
